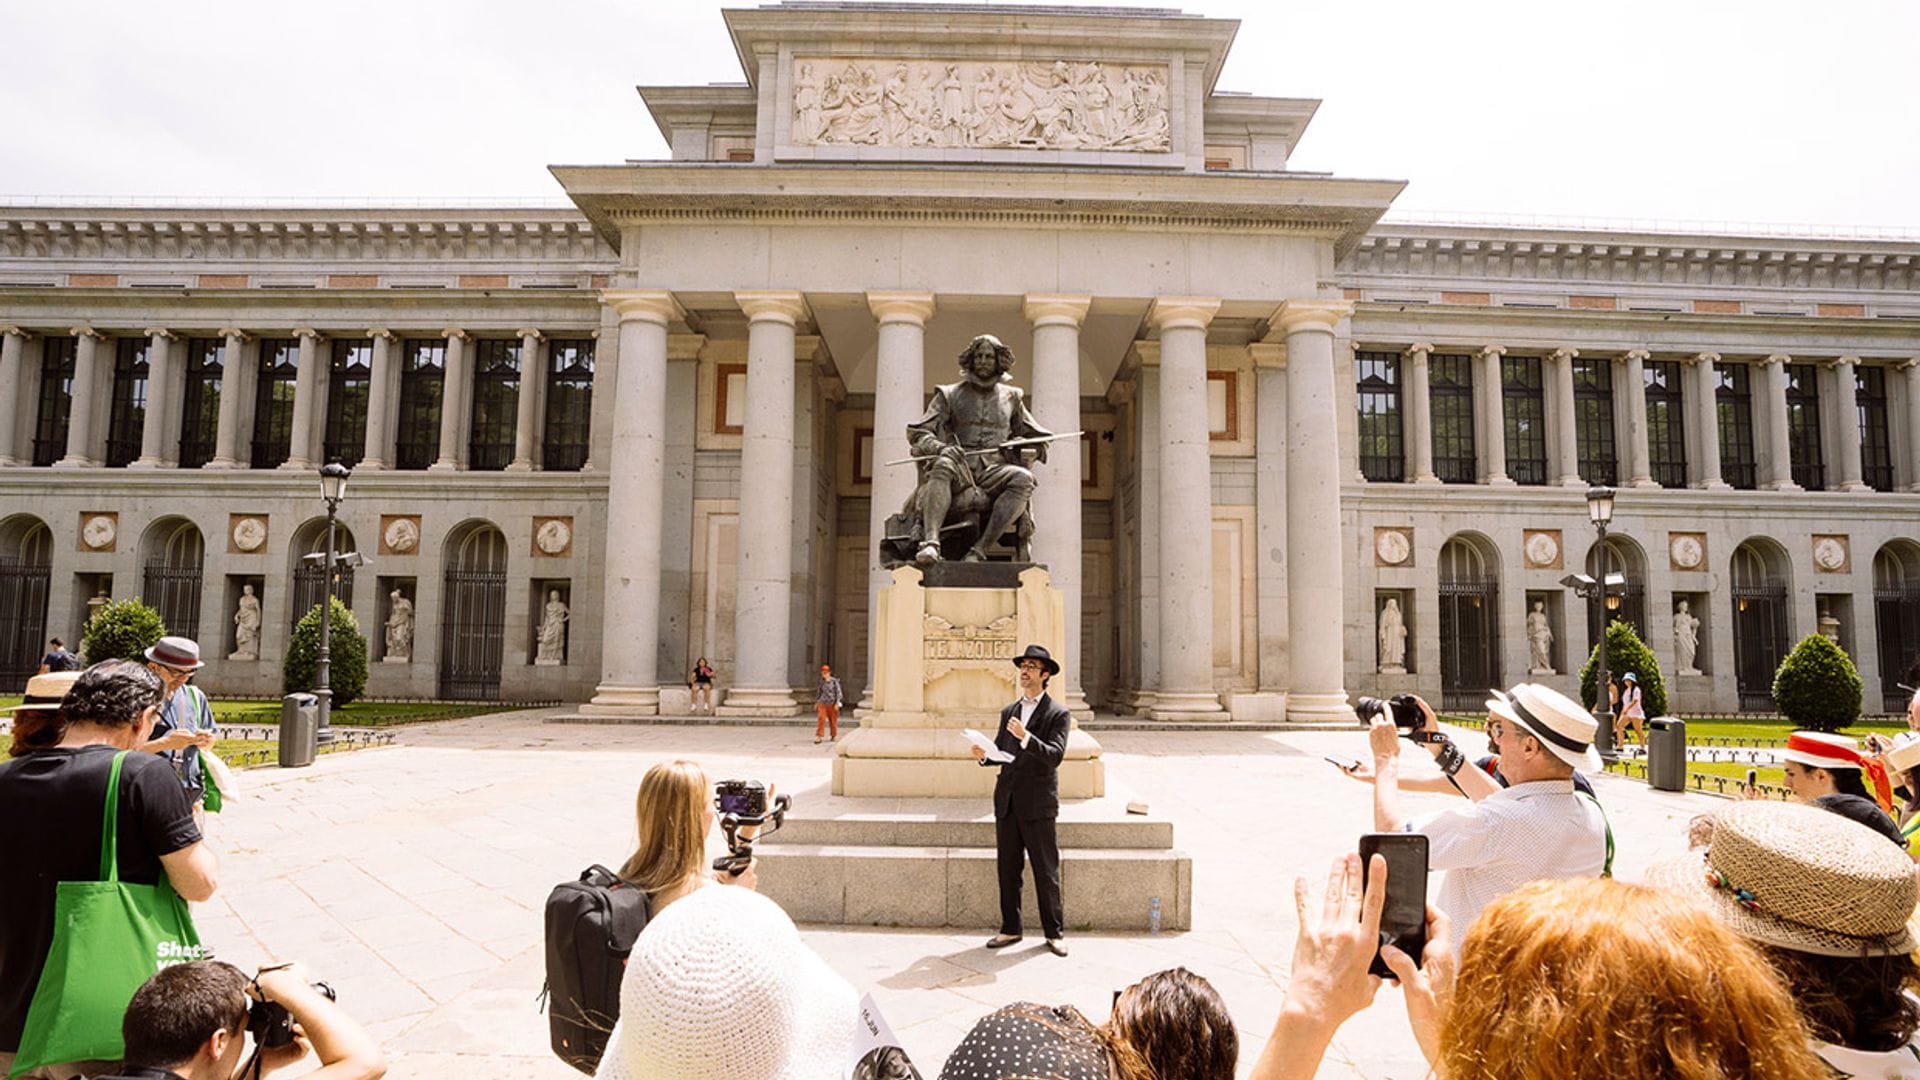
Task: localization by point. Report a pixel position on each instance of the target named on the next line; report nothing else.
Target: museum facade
(672, 408)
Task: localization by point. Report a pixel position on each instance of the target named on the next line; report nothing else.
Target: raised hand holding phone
(1403, 916)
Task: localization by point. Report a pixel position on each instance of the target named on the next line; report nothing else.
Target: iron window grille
(128, 418)
(1524, 410)
(569, 405)
(1451, 379)
(1593, 421)
(1733, 405)
(496, 402)
(1803, 427)
(56, 399)
(1876, 440)
(1381, 456)
(1666, 424)
(273, 402)
(423, 380)
(349, 382)
(200, 409)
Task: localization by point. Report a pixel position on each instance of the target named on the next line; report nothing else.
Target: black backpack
(591, 927)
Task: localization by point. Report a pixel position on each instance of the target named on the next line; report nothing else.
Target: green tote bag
(109, 936)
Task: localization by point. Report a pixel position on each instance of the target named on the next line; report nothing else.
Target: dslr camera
(1404, 710)
(272, 1025)
(745, 808)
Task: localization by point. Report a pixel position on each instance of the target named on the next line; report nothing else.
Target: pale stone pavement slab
(412, 877)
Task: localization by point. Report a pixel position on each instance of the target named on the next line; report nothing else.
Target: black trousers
(1035, 839)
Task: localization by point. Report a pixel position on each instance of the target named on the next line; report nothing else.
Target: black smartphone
(1403, 918)
(1343, 764)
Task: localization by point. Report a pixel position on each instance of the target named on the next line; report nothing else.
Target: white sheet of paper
(994, 753)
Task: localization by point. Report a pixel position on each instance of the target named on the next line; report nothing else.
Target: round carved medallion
(1543, 549)
(553, 537)
(1392, 547)
(249, 533)
(402, 535)
(1829, 553)
(99, 532)
(1686, 552)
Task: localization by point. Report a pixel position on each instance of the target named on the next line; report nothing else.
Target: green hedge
(346, 655)
(1817, 686)
(122, 630)
(1626, 652)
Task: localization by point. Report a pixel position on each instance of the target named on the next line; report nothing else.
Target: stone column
(163, 371)
(629, 672)
(526, 417)
(762, 619)
(379, 401)
(226, 433)
(1911, 369)
(1779, 450)
(89, 381)
(1315, 612)
(1185, 524)
(1565, 466)
(308, 389)
(1846, 424)
(1146, 527)
(676, 507)
(1706, 422)
(1270, 532)
(1493, 407)
(453, 402)
(1419, 414)
(899, 398)
(1057, 534)
(13, 347)
(1639, 462)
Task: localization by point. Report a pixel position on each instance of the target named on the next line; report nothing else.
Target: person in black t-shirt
(51, 801)
(58, 658)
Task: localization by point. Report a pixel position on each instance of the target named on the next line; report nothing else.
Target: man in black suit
(1026, 799)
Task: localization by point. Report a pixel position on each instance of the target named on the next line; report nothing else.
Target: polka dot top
(1025, 1041)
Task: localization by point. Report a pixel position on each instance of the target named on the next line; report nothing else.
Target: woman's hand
(1428, 988)
(1332, 953)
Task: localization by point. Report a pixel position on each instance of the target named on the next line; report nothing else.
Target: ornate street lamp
(1600, 512)
(333, 489)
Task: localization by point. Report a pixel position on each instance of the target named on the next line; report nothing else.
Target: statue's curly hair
(1002, 355)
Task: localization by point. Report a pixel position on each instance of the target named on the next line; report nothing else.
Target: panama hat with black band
(45, 692)
(1561, 725)
(178, 653)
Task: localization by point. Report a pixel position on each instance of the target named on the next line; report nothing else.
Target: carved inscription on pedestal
(988, 648)
(1011, 105)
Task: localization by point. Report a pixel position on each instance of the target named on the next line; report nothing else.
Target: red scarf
(1870, 767)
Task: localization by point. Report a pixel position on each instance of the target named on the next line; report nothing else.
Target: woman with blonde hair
(673, 813)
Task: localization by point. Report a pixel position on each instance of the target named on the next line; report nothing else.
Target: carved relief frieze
(1009, 105)
(558, 236)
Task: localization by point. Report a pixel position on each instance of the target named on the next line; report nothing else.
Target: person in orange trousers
(826, 707)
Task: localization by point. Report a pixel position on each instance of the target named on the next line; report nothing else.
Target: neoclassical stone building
(673, 403)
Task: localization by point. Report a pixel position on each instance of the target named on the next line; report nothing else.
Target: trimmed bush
(1626, 652)
(346, 655)
(122, 630)
(1817, 686)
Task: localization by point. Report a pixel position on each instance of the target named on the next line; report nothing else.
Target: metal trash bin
(1667, 754)
(299, 728)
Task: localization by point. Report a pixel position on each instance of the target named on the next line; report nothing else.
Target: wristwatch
(1450, 758)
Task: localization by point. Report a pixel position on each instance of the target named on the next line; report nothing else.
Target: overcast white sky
(1678, 110)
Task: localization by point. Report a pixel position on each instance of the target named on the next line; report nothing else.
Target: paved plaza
(411, 877)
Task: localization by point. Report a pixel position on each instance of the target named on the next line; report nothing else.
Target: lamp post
(333, 489)
(1600, 512)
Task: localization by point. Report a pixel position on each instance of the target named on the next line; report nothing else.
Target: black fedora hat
(1038, 652)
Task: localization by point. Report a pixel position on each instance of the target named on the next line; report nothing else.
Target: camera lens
(1367, 708)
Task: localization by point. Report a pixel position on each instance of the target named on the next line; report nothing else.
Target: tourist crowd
(1779, 947)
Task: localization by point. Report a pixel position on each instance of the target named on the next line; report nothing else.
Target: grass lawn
(228, 749)
(358, 714)
(1738, 727)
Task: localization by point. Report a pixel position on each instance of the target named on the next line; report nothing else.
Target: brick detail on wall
(601, 281)
(108, 280)
(1716, 307)
(1478, 299)
(1840, 309)
(1351, 294)
(352, 281)
(483, 281)
(221, 281)
(1593, 303)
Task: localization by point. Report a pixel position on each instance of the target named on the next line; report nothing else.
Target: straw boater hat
(178, 653)
(720, 987)
(1561, 725)
(1800, 878)
(1905, 753)
(1820, 750)
(45, 692)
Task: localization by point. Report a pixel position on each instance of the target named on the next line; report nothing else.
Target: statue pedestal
(943, 661)
(1541, 671)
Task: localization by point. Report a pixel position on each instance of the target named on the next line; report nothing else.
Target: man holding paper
(1032, 739)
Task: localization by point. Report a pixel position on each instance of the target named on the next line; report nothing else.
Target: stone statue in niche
(1539, 640)
(551, 651)
(246, 626)
(972, 448)
(399, 628)
(1393, 638)
(1065, 105)
(1829, 626)
(1686, 639)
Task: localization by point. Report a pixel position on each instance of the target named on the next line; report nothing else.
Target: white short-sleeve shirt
(1528, 832)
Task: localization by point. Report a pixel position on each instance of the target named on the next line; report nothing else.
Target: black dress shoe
(1001, 941)
(1056, 946)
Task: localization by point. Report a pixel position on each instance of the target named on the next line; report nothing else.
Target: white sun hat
(720, 987)
(1558, 721)
(1822, 750)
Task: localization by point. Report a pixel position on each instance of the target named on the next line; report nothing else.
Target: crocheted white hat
(720, 987)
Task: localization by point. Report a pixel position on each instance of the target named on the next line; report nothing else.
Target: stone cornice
(901, 307)
(1055, 309)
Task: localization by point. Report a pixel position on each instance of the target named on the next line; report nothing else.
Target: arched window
(1759, 576)
(309, 554)
(1625, 558)
(172, 552)
(1469, 621)
(1896, 613)
(26, 556)
(473, 613)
